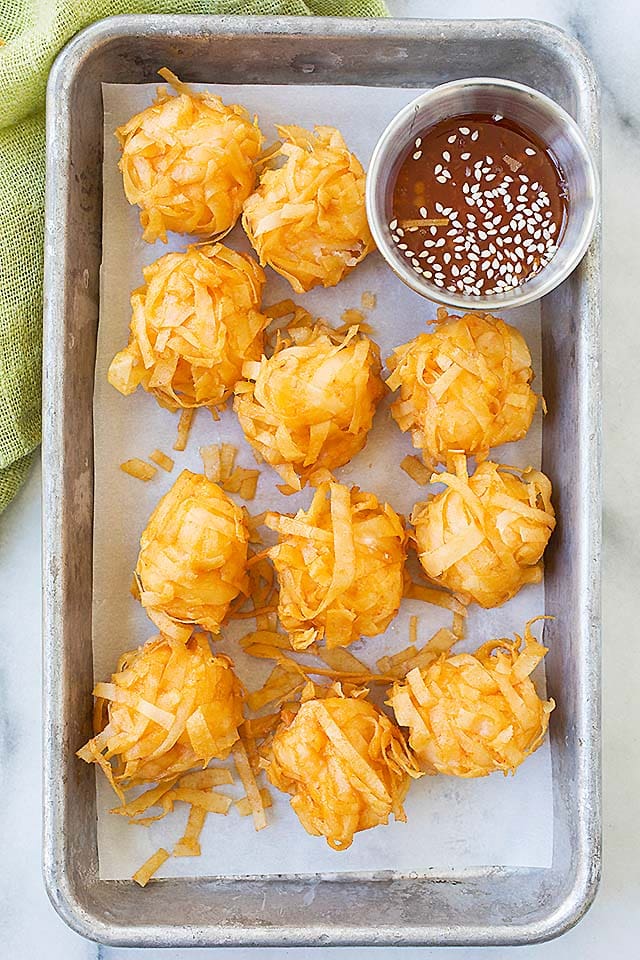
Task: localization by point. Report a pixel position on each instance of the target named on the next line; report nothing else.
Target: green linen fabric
(32, 32)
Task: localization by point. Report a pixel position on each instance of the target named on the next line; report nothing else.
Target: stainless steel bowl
(529, 108)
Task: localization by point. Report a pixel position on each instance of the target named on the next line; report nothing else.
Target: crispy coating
(188, 162)
(345, 764)
(309, 408)
(340, 565)
(170, 706)
(484, 536)
(194, 322)
(193, 557)
(307, 218)
(465, 386)
(469, 715)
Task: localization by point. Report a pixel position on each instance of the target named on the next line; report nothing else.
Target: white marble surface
(28, 925)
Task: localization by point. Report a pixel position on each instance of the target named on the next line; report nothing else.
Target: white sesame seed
(452, 138)
(402, 246)
(433, 231)
(438, 168)
(530, 152)
(441, 179)
(429, 243)
(490, 273)
(395, 237)
(469, 200)
(465, 156)
(427, 274)
(491, 176)
(463, 130)
(482, 234)
(540, 248)
(519, 252)
(478, 175)
(473, 256)
(418, 142)
(475, 189)
(393, 225)
(458, 256)
(423, 253)
(439, 283)
(413, 229)
(417, 154)
(400, 232)
(455, 271)
(446, 175)
(446, 155)
(441, 242)
(447, 258)
(415, 262)
(409, 253)
(417, 269)
(475, 135)
(431, 260)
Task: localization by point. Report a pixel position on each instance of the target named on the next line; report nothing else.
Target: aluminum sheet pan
(472, 906)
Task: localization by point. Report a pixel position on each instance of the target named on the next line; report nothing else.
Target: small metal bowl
(529, 108)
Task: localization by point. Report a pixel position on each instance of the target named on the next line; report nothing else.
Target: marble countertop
(29, 926)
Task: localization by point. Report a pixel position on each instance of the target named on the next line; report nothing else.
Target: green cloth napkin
(32, 32)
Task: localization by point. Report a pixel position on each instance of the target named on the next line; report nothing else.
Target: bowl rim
(518, 296)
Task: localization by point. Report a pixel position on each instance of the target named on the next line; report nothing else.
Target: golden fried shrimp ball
(169, 706)
(194, 323)
(307, 218)
(345, 764)
(473, 713)
(193, 557)
(340, 565)
(309, 408)
(466, 386)
(483, 537)
(188, 162)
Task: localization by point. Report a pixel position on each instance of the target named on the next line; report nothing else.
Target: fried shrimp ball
(309, 408)
(471, 714)
(483, 537)
(193, 557)
(187, 162)
(466, 386)
(345, 764)
(340, 565)
(194, 322)
(169, 706)
(307, 218)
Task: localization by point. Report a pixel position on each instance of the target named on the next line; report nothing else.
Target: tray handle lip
(89, 923)
(132, 24)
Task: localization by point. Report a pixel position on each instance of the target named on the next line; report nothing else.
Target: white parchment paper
(451, 823)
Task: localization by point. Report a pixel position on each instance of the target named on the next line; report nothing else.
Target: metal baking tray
(481, 906)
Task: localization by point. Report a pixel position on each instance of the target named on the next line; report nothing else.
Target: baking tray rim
(586, 875)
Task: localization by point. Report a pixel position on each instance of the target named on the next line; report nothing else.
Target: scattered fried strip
(138, 469)
(150, 866)
(163, 461)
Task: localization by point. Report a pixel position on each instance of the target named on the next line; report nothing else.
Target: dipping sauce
(479, 205)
